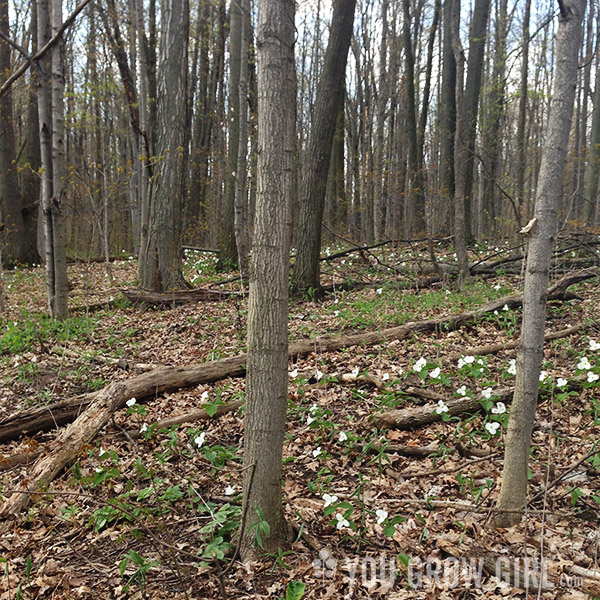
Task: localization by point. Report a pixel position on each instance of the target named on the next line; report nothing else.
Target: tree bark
(160, 258)
(330, 97)
(529, 360)
(267, 377)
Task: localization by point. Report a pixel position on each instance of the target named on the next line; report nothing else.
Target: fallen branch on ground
(139, 296)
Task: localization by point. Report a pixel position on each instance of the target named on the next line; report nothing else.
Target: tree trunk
(330, 98)
(240, 204)
(228, 256)
(460, 150)
(447, 110)
(267, 377)
(160, 259)
(529, 360)
(12, 238)
(522, 115)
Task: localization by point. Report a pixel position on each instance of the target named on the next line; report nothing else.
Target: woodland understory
(393, 448)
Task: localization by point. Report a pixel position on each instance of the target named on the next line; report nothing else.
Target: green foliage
(142, 566)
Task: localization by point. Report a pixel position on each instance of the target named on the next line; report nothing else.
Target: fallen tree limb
(163, 379)
(139, 296)
(66, 446)
(495, 348)
(409, 418)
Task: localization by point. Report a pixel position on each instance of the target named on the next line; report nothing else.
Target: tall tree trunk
(241, 212)
(531, 350)
(492, 142)
(11, 217)
(477, 39)
(593, 171)
(330, 97)
(160, 259)
(267, 378)
(522, 116)
(447, 108)
(460, 151)
(227, 244)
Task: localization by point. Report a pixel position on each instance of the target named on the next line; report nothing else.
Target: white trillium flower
(131, 402)
(317, 452)
(591, 377)
(199, 440)
(499, 409)
(380, 290)
(561, 382)
(442, 407)
(492, 427)
(355, 371)
(435, 373)
(294, 373)
(341, 521)
(313, 409)
(204, 395)
(319, 375)
(497, 287)
(543, 376)
(418, 366)
(309, 420)
(505, 307)
(143, 428)
(584, 364)
(512, 369)
(385, 377)
(487, 393)
(329, 500)
(382, 515)
(343, 436)
(229, 490)
(594, 345)
(462, 390)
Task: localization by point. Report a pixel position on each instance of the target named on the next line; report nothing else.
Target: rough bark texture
(162, 379)
(160, 258)
(314, 182)
(267, 378)
(529, 360)
(138, 296)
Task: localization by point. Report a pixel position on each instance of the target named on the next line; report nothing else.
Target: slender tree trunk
(477, 39)
(522, 116)
(267, 378)
(447, 108)
(160, 259)
(492, 134)
(330, 98)
(529, 359)
(227, 246)
(460, 151)
(241, 221)
(593, 171)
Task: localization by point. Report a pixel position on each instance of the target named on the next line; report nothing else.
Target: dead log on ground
(139, 296)
(410, 418)
(163, 379)
(495, 348)
(67, 445)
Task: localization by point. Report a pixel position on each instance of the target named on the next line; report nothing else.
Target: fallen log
(410, 418)
(163, 379)
(66, 446)
(495, 348)
(139, 296)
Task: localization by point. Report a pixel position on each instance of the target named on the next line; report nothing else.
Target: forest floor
(152, 516)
